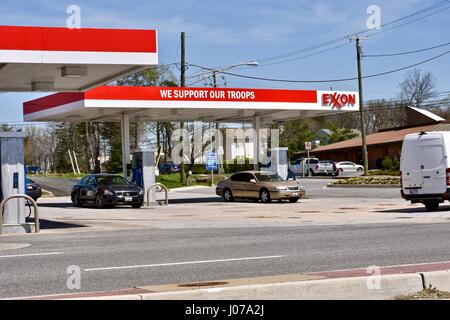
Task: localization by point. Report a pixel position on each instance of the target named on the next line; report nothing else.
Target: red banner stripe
(90, 40)
(209, 94)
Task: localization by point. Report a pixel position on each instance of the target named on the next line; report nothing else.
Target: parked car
(33, 170)
(168, 167)
(33, 189)
(262, 185)
(425, 168)
(347, 166)
(303, 166)
(328, 167)
(106, 189)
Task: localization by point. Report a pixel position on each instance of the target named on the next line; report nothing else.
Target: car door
(251, 189)
(433, 164)
(90, 189)
(82, 187)
(236, 185)
(296, 167)
(347, 166)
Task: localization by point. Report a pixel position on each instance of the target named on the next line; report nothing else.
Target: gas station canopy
(61, 59)
(110, 103)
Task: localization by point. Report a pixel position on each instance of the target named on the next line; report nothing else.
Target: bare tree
(417, 87)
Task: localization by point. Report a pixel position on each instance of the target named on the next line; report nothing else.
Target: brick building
(383, 143)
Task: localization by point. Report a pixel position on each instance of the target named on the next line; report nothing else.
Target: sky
(223, 33)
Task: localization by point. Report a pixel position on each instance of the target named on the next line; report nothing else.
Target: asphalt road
(124, 259)
(315, 188)
(58, 186)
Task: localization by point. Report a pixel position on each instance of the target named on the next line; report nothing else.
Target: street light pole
(214, 73)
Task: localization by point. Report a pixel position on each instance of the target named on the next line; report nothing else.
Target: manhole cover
(12, 246)
(202, 284)
(263, 217)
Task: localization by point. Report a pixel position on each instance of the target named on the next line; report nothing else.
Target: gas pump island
(47, 59)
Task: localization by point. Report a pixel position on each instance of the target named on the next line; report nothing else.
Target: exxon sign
(338, 100)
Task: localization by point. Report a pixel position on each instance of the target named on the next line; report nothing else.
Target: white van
(425, 168)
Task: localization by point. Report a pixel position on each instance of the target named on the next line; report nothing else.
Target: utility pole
(361, 108)
(182, 84)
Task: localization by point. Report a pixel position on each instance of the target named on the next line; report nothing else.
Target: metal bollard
(36, 210)
(165, 190)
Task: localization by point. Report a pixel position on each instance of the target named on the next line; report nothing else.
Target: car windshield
(107, 180)
(268, 177)
(29, 181)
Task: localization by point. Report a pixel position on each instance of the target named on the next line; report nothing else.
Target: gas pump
(143, 170)
(279, 161)
(12, 177)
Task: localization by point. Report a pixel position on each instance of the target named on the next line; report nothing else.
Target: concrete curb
(437, 279)
(355, 288)
(47, 194)
(190, 188)
(327, 289)
(396, 186)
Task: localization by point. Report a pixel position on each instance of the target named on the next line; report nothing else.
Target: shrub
(390, 163)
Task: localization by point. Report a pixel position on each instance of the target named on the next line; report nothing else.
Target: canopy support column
(125, 135)
(256, 142)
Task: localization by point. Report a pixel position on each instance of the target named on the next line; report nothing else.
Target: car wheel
(99, 201)
(227, 195)
(359, 169)
(293, 200)
(264, 196)
(136, 205)
(76, 200)
(432, 205)
(311, 172)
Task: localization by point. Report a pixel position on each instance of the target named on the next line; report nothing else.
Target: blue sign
(211, 161)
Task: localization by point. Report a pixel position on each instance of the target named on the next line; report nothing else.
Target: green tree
(294, 134)
(341, 134)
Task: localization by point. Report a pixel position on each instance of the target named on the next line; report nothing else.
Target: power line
(404, 53)
(306, 56)
(338, 80)
(318, 46)
(440, 4)
(406, 23)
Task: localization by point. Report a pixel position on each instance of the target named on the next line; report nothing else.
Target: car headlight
(108, 193)
(141, 192)
(282, 188)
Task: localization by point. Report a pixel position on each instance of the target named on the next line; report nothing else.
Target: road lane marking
(181, 263)
(31, 255)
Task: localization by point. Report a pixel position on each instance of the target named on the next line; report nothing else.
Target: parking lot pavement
(203, 209)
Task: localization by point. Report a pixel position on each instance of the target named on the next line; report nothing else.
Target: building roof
(377, 138)
(418, 117)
